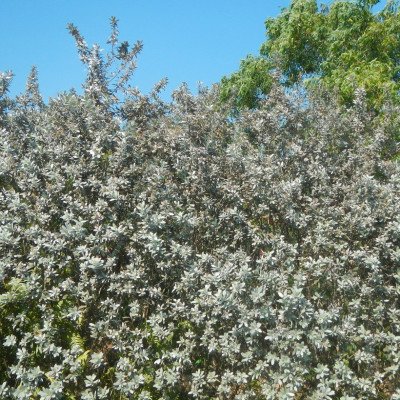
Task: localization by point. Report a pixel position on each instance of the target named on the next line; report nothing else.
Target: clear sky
(184, 40)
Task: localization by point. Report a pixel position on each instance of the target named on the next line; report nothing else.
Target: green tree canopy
(342, 46)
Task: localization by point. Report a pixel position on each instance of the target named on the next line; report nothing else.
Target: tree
(342, 47)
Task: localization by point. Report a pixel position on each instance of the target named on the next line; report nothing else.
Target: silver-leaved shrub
(177, 251)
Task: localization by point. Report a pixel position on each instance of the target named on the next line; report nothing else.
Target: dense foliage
(171, 251)
(344, 46)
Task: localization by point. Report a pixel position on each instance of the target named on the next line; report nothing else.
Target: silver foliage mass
(174, 251)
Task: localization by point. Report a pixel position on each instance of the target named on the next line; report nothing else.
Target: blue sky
(184, 40)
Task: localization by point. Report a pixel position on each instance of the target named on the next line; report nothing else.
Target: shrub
(171, 251)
